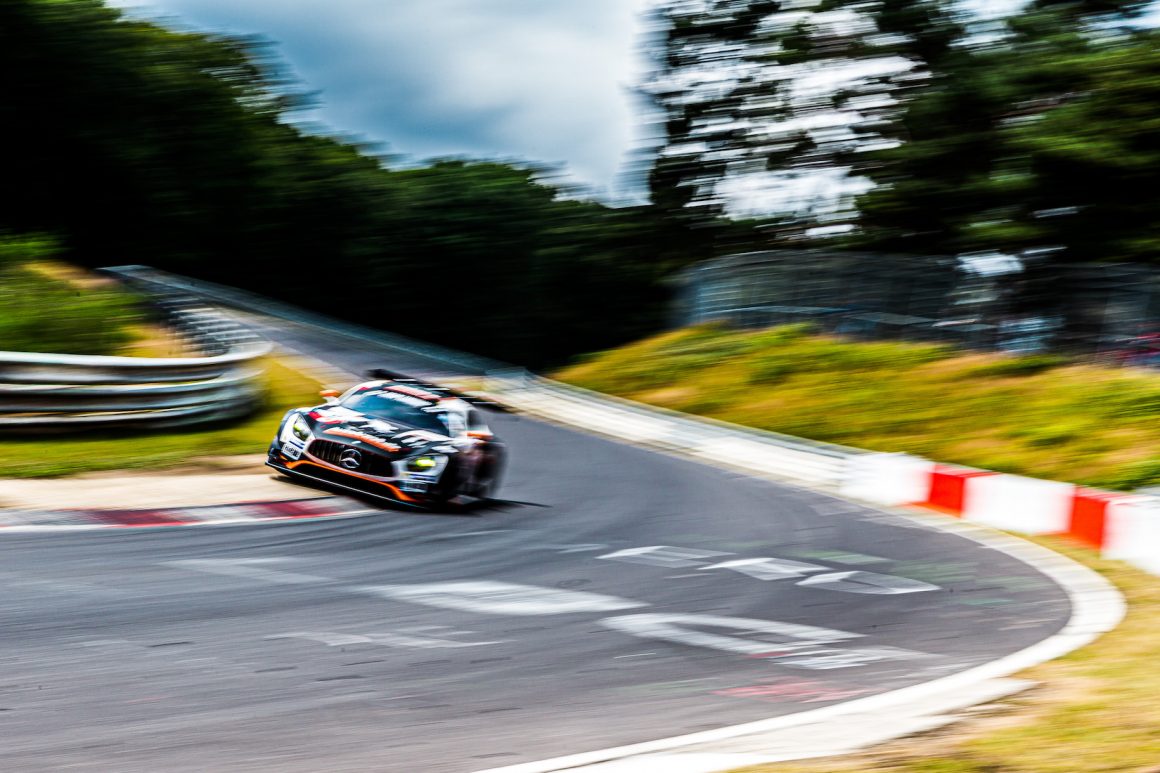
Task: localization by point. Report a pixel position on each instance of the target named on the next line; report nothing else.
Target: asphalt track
(569, 615)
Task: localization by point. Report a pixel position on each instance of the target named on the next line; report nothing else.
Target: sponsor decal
(292, 451)
(418, 437)
(335, 415)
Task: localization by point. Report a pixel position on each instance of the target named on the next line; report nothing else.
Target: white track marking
(501, 598)
(767, 568)
(582, 548)
(867, 582)
(244, 567)
(663, 555)
(1097, 607)
(788, 644)
(387, 639)
(682, 629)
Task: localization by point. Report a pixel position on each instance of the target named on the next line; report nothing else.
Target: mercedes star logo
(350, 459)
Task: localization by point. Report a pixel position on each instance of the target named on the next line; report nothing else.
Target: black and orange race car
(395, 438)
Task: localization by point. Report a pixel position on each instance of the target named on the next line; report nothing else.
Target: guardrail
(1122, 526)
(70, 392)
(163, 284)
(741, 448)
(768, 453)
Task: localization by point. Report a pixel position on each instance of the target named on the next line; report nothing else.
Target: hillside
(1038, 415)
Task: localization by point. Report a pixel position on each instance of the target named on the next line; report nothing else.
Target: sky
(538, 80)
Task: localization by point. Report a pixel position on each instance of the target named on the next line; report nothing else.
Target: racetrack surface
(558, 619)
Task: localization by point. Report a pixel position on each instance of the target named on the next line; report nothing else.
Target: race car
(395, 438)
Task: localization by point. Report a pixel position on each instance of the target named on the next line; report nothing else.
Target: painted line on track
(1096, 608)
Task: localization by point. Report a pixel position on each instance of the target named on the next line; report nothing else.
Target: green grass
(1042, 416)
(1096, 709)
(69, 455)
(42, 311)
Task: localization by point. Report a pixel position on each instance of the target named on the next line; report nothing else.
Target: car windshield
(393, 407)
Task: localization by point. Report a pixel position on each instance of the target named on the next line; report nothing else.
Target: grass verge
(1037, 415)
(1095, 711)
(70, 455)
(44, 309)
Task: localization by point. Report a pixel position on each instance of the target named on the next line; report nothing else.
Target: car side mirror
(478, 435)
(331, 395)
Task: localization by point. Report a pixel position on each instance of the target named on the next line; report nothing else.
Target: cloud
(530, 79)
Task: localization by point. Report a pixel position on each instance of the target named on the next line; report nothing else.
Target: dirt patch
(78, 277)
(200, 482)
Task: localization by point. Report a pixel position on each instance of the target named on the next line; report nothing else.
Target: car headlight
(427, 464)
(296, 431)
(300, 428)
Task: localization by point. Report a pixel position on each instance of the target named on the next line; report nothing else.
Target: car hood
(394, 439)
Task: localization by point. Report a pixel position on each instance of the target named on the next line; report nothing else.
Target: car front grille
(372, 463)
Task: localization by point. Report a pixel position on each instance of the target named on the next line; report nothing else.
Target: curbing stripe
(243, 512)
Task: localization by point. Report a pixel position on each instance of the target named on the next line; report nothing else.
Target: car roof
(443, 401)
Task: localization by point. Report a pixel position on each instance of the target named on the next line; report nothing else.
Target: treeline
(131, 143)
(906, 126)
(919, 126)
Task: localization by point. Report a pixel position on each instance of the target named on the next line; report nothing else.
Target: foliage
(1036, 415)
(39, 313)
(776, 103)
(1034, 135)
(137, 144)
(1025, 365)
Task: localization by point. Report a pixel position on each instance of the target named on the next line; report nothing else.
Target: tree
(1028, 143)
(768, 111)
(131, 143)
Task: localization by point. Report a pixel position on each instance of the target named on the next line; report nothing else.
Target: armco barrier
(746, 449)
(1089, 515)
(887, 479)
(68, 392)
(1124, 526)
(165, 285)
(948, 488)
(1015, 503)
(1133, 532)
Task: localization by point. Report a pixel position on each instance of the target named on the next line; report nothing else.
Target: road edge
(1097, 607)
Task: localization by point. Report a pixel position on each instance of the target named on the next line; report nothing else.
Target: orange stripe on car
(395, 489)
(368, 439)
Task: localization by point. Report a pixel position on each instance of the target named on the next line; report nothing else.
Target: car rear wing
(436, 389)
